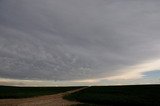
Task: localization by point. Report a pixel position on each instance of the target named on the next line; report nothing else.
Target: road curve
(48, 100)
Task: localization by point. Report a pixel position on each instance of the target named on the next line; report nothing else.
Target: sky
(79, 42)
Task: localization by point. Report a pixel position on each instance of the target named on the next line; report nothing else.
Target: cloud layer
(77, 39)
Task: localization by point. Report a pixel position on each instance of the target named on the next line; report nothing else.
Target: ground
(50, 100)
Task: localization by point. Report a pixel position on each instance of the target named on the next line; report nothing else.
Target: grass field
(148, 95)
(24, 92)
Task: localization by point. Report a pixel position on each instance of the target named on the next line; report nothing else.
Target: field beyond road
(7, 92)
(136, 95)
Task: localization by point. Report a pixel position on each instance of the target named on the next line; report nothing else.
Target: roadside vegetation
(25, 92)
(136, 95)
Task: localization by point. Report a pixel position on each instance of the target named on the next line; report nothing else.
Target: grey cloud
(76, 39)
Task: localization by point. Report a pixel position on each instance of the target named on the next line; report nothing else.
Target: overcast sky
(79, 41)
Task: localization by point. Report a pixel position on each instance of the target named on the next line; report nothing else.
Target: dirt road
(49, 100)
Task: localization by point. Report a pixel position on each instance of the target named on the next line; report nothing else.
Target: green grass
(148, 95)
(24, 92)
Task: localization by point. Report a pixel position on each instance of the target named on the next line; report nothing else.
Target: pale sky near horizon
(79, 42)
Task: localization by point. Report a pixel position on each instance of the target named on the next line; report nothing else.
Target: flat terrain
(137, 95)
(49, 100)
(7, 92)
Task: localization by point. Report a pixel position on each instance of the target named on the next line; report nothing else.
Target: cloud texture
(77, 39)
